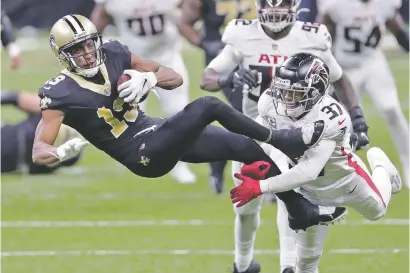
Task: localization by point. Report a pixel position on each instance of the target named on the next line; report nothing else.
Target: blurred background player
(17, 139)
(150, 29)
(215, 15)
(357, 27)
(9, 41)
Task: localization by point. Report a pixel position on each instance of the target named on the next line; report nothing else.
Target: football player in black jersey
(215, 15)
(17, 139)
(85, 96)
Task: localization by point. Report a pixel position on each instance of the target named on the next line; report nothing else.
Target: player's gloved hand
(139, 84)
(70, 149)
(211, 47)
(243, 77)
(248, 190)
(360, 128)
(256, 170)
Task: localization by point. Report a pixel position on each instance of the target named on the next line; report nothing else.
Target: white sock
(307, 265)
(381, 179)
(286, 238)
(245, 231)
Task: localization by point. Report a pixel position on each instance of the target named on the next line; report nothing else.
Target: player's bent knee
(375, 214)
(252, 207)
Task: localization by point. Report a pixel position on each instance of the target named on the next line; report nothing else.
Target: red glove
(246, 191)
(257, 170)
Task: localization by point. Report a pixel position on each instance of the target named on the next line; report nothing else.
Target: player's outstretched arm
(99, 16)
(307, 169)
(166, 77)
(398, 28)
(46, 134)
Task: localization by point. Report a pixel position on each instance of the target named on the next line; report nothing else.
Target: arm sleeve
(307, 169)
(226, 61)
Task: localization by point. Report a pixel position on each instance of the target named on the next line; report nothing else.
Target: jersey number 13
(118, 127)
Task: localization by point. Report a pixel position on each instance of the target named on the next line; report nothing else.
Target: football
(125, 77)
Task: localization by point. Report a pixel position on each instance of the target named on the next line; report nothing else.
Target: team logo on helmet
(52, 41)
(317, 72)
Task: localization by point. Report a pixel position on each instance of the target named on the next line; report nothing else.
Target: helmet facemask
(276, 15)
(85, 63)
(293, 100)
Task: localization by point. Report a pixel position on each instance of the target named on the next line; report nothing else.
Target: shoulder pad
(115, 45)
(337, 119)
(120, 51)
(54, 92)
(265, 103)
(234, 30)
(317, 35)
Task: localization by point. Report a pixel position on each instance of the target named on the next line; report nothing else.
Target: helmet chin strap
(88, 73)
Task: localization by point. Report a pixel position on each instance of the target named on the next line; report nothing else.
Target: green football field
(99, 217)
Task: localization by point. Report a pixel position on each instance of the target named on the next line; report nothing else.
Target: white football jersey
(256, 50)
(359, 28)
(147, 27)
(337, 123)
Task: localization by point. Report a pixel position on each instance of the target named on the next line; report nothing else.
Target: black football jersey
(95, 110)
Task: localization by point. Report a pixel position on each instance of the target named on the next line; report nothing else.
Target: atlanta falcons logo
(317, 72)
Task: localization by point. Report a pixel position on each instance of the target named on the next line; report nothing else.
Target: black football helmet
(276, 15)
(299, 83)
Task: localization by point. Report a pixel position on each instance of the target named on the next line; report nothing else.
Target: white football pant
(375, 78)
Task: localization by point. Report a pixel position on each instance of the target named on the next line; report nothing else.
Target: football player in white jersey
(329, 174)
(257, 47)
(150, 30)
(357, 27)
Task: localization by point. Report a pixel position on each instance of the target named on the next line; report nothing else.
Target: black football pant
(235, 100)
(187, 136)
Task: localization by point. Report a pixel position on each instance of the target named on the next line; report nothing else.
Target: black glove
(211, 47)
(238, 78)
(244, 76)
(360, 136)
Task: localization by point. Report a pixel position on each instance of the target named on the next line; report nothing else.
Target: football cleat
(313, 215)
(377, 157)
(254, 267)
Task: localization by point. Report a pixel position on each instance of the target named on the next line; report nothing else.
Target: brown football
(126, 77)
(123, 78)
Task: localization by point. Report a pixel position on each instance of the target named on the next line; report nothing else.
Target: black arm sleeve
(7, 35)
(403, 39)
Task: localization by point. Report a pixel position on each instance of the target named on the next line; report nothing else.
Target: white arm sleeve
(335, 71)
(226, 61)
(307, 169)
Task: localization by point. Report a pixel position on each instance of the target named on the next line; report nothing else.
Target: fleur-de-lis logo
(144, 160)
